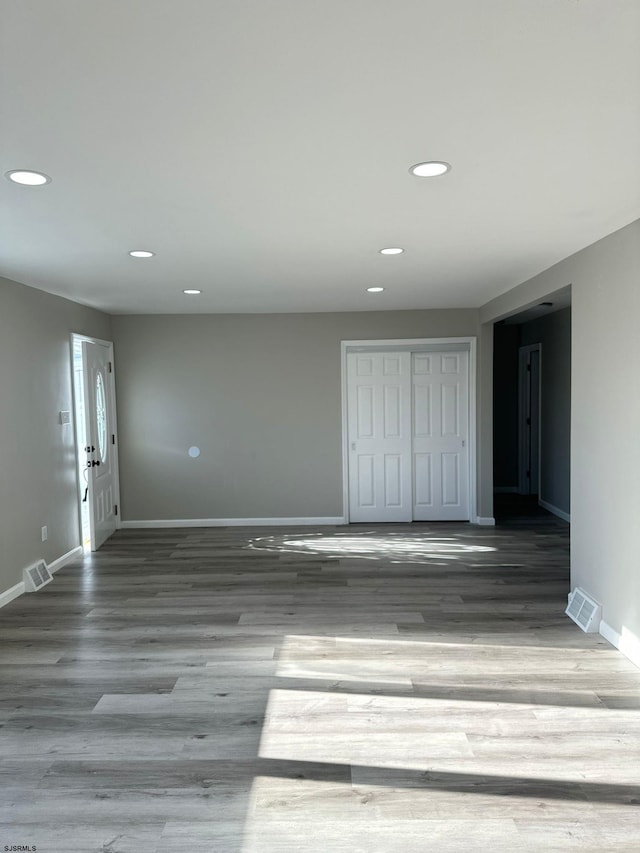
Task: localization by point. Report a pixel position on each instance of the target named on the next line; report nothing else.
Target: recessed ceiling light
(375, 289)
(392, 250)
(141, 253)
(27, 177)
(430, 170)
(192, 292)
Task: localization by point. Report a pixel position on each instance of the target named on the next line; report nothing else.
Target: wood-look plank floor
(372, 688)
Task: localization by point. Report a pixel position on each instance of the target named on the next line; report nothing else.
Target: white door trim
(412, 345)
(75, 336)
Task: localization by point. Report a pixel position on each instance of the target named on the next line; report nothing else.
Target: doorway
(532, 410)
(96, 439)
(409, 430)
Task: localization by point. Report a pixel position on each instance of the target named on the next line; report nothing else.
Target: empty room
(319, 417)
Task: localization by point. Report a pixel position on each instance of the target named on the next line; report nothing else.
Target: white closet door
(440, 436)
(379, 431)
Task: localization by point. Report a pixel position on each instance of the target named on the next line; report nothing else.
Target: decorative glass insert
(101, 416)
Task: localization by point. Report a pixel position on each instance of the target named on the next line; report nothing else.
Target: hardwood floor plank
(75, 837)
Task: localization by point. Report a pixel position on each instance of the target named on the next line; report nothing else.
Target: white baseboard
(506, 490)
(232, 522)
(626, 642)
(555, 510)
(66, 558)
(9, 594)
(484, 521)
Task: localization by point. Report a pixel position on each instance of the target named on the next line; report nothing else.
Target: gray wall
(605, 417)
(553, 332)
(260, 396)
(485, 421)
(505, 406)
(37, 454)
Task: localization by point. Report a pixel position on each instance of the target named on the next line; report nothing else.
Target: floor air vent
(36, 576)
(584, 611)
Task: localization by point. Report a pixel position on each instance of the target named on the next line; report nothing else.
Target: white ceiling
(262, 147)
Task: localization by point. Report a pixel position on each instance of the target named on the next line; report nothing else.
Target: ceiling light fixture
(392, 250)
(141, 253)
(375, 289)
(27, 177)
(192, 292)
(431, 169)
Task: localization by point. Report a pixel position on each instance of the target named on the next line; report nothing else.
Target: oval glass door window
(101, 416)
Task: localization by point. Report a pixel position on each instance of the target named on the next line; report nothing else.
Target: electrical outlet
(45, 533)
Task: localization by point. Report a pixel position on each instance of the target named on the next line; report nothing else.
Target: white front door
(100, 437)
(440, 436)
(379, 436)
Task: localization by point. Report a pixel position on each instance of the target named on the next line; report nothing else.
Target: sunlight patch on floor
(444, 664)
(327, 727)
(451, 737)
(389, 546)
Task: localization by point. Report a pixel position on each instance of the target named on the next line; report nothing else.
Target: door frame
(523, 359)
(73, 337)
(412, 345)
